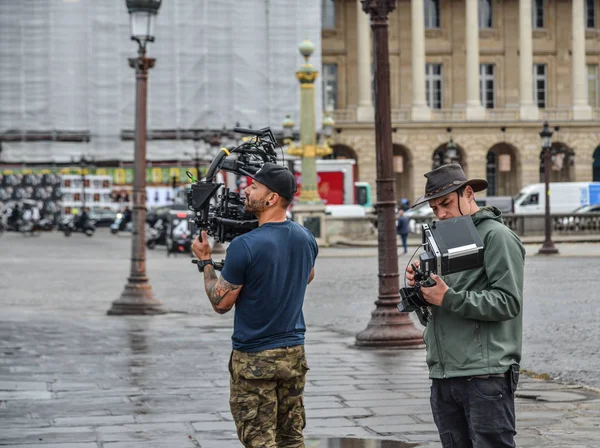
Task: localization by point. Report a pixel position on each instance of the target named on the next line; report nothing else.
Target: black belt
(492, 375)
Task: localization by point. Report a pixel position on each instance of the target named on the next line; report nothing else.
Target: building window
(590, 14)
(330, 84)
(433, 85)
(539, 85)
(487, 85)
(432, 14)
(537, 15)
(328, 14)
(485, 13)
(592, 86)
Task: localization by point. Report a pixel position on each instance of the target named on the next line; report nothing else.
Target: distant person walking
(403, 229)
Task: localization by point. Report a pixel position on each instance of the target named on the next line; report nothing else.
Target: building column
(581, 108)
(364, 110)
(528, 110)
(474, 110)
(420, 111)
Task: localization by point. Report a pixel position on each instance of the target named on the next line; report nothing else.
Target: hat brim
(476, 185)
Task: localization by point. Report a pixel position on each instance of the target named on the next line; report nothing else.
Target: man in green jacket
(474, 336)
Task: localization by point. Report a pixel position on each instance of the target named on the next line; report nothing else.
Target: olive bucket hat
(446, 179)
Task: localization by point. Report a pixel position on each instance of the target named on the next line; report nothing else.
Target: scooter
(120, 224)
(89, 228)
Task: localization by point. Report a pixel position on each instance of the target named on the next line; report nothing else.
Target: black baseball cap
(276, 178)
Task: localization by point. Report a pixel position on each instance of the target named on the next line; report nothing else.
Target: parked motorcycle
(156, 235)
(89, 228)
(180, 232)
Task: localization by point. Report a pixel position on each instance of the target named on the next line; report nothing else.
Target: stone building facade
(484, 73)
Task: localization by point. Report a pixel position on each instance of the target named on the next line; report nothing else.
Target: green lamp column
(308, 143)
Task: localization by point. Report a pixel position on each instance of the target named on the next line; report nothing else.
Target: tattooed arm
(220, 292)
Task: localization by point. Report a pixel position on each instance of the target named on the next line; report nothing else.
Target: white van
(565, 197)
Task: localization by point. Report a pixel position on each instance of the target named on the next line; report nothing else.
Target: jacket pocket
(461, 343)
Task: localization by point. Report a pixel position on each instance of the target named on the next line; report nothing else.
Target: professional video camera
(452, 245)
(223, 215)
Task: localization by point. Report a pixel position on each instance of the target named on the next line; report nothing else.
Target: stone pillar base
(136, 299)
(390, 328)
(582, 112)
(475, 113)
(421, 113)
(313, 218)
(365, 113)
(529, 112)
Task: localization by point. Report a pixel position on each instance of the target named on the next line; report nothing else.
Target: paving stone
(47, 435)
(56, 445)
(340, 412)
(339, 431)
(214, 443)
(170, 441)
(23, 385)
(25, 395)
(214, 426)
(552, 396)
(328, 422)
(399, 403)
(389, 420)
(172, 418)
(404, 428)
(142, 427)
(100, 420)
(371, 395)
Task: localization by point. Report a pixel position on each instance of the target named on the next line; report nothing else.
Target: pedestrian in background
(403, 229)
(475, 334)
(265, 275)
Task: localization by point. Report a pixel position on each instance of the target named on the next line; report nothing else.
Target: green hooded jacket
(478, 329)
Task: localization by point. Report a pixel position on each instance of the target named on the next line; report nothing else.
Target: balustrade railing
(344, 115)
(556, 114)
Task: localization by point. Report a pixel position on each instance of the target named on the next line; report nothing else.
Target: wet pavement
(72, 377)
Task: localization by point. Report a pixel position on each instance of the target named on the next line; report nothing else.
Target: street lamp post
(387, 327)
(137, 296)
(308, 148)
(310, 210)
(548, 247)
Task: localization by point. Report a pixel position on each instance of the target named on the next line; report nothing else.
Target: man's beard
(255, 206)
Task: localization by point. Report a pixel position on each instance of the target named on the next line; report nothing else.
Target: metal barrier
(562, 224)
(534, 225)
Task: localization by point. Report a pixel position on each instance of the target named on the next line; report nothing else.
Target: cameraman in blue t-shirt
(265, 275)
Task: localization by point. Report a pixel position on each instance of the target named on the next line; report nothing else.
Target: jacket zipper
(437, 342)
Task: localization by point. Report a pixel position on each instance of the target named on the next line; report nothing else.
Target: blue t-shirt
(273, 262)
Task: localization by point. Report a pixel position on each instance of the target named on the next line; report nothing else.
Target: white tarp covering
(63, 66)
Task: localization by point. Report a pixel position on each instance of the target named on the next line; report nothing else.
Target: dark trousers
(473, 412)
(404, 236)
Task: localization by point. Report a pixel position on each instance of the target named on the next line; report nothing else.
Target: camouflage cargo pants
(266, 397)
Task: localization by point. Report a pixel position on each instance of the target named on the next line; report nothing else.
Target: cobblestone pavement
(72, 377)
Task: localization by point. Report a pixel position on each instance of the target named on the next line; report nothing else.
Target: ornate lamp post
(451, 151)
(548, 247)
(137, 297)
(387, 327)
(308, 148)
